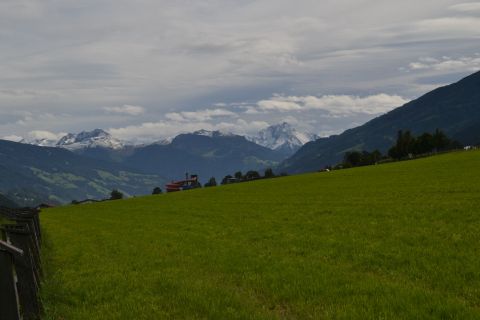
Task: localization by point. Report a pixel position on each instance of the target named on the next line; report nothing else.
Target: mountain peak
(282, 137)
(89, 139)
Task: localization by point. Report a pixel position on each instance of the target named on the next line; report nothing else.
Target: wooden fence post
(21, 232)
(20, 265)
(27, 272)
(9, 305)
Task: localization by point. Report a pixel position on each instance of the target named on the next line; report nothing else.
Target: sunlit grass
(396, 241)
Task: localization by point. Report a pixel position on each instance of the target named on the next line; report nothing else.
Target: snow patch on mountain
(163, 142)
(212, 134)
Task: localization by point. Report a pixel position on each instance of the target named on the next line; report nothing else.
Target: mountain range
(455, 109)
(206, 153)
(85, 139)
(282, 138)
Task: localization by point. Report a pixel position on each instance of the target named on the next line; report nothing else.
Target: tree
(423, 144)
(407, 144)
(238, 175)
(376, 156)
(157, 190)
(252, 175)
(352, 159)
(116, 195)
(269, 173)
(211, 183)
(197, 184)
(403, 146)
(440, 140)
(226, 179)
(364, 158)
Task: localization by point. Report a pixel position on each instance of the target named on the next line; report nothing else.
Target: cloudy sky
(149, 69)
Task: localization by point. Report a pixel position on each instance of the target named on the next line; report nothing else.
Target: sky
(147, 70)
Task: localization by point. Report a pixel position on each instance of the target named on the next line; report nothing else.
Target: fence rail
(20, 264)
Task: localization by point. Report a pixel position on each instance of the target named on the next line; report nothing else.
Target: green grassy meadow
(394, 241)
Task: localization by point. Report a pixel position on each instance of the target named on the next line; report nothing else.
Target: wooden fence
(20, 266)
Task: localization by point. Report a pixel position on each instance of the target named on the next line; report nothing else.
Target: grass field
(395, 241)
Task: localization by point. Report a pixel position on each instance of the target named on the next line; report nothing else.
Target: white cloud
(336, 105)
(306, 113)
(36, 135)
(150, 131)
(200, 115)
(450, 26)
(468, 7)
(44, 134)
(279, 103)
(126, 109)
(447, 64)
(242, 126)
(20, 9)
(251, 110)
(13, 138)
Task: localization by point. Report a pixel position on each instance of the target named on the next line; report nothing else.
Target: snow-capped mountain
(97, 138)
(283, 138)
(85, 139)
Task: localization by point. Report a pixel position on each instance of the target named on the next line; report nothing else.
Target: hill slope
(455, 109)
(396, 241)
(32, 174)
